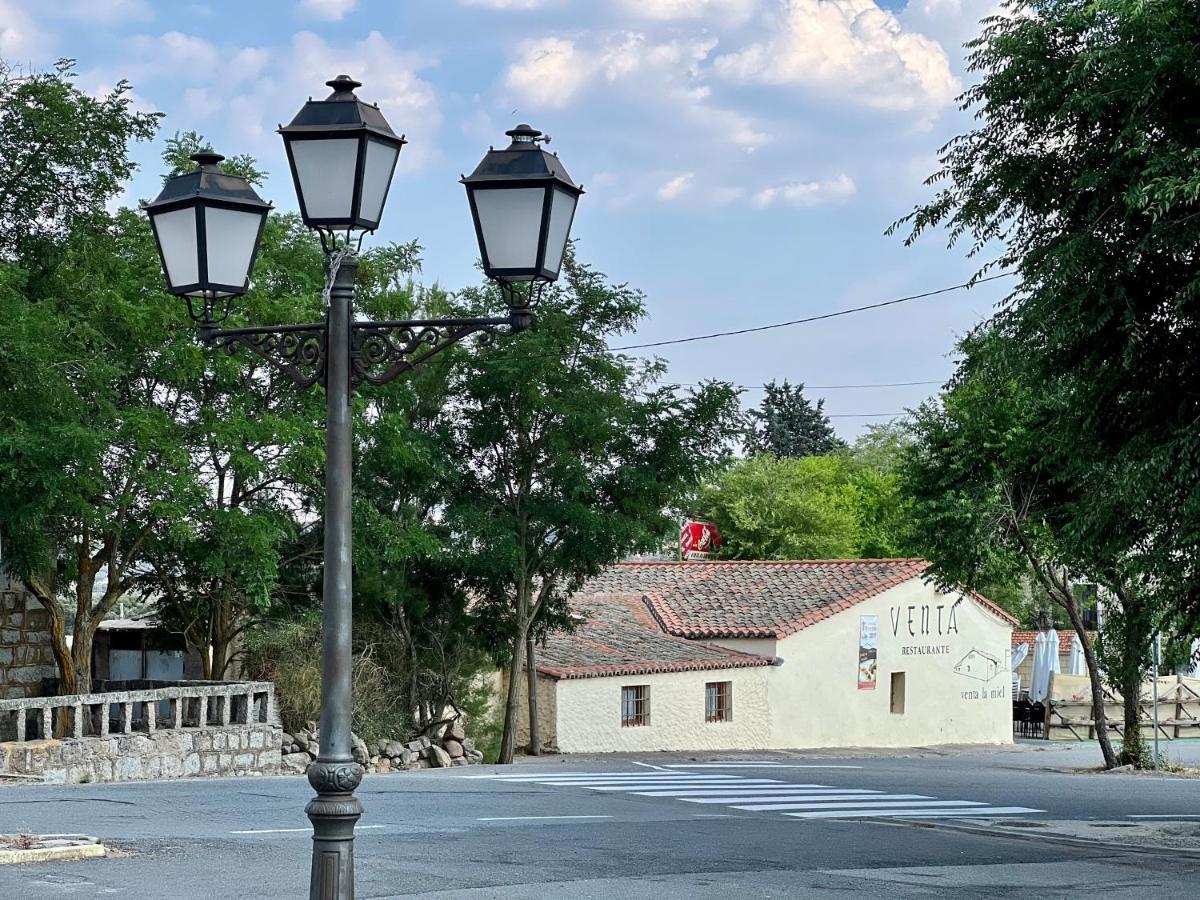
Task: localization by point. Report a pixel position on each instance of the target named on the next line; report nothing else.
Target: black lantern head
(523, 202)
(342, 153)
(207, 225)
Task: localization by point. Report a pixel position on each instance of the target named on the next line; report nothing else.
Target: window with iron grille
(718, 701)
(635, 705)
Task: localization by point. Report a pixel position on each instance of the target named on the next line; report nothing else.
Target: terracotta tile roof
(619, 636)
(1064, 639)
(756, 599)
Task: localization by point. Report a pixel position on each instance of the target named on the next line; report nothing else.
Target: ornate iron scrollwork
(296, 350)
(381, 351)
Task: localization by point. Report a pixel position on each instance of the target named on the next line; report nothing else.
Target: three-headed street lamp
(207, 224)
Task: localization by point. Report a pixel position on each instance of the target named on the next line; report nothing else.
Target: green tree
(1082, 177)
(981, 509)
(789, 425)
(566, 458)
(768, 508)
(63, 153)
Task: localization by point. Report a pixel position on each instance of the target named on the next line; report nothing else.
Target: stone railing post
(47, 723)
(104, 720)
(127, 718)
(21, 726)
(77, 720)
(202, 721)
(151, 707)
(226, 704)
(178, 711)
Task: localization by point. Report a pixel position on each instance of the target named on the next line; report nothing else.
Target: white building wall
(815, 696)
(589, 713)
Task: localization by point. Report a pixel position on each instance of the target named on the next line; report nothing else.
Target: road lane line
(882, 802)
(1175, 816)
(534, 818)
(801, 798)
(763, 765)
(781, 787)
(914, 813)
(614, 779)
(633, 788)
(649, 766)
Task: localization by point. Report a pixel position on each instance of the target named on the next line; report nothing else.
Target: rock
(358, 749)
(424, 742)
(286, 740)
(438, 758)
(475, 756)
(422, 764)
(454, 732)
(460, 761)
(468, 744)
(415, 746)
(454, 749)
(393, 749)
(384, 765)
(295, 763)
(407, 757)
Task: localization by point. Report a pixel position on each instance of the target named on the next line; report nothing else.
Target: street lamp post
(207, 224)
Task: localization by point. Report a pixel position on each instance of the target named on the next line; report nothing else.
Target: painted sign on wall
(868, 651)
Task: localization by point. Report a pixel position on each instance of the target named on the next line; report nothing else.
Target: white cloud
(550, 71)
(329, 10)
(18, 36)
(806, 193)
(175, 50)
(950, 22)
(850, 49)
(676, 186)
(671, 10)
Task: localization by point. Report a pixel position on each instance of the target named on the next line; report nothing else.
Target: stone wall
(547, 704)
(237, 750)
(25, 655)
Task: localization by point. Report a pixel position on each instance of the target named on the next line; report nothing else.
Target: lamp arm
(382, 351)
(298, 351)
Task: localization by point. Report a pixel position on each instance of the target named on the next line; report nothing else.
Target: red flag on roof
(698, 540)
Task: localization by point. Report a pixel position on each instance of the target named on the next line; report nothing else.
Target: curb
(51, 854)
(1050, 837)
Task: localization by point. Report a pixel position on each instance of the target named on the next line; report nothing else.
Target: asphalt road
(630, 827)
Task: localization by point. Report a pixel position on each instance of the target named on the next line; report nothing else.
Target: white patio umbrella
(1039, 678)
(1076, 663)
(1018, 655)
(1052, 655)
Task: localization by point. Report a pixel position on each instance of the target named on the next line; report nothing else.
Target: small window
(635, 705)
(898, 693)
(718, 701)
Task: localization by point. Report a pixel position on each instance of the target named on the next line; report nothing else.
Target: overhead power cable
(807, 319)
(839, 387)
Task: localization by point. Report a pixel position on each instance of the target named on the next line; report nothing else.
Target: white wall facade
(954, 693)
(589, 713)
(955, 658)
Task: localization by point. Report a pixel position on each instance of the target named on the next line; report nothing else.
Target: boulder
(468, 744)
(383, 765)
(475, 756)
(454, 731)
(460, 761)
(358, 749)
(393, 749)
(415, 746)
(422, 764)
(295, 763)
(454, 749)
(438, 758)
(286, 740)
(407, 757)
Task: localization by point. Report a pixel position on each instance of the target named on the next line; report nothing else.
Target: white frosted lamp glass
(562, 211)
(377, 177)
(511, 222)
(231, 237)
(325, 177)
(176, 234)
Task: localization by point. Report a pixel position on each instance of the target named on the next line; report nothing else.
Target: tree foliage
(788, 425)
(566, 457)
(63, 153)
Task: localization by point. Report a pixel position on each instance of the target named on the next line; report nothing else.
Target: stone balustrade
(145, 730)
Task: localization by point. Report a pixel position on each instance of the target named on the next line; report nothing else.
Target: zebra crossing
(764, 794)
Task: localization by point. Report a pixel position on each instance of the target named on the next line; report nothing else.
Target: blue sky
(742, 158)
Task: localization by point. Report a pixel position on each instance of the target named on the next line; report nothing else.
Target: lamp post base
(333, 813)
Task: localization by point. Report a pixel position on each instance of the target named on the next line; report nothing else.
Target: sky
(742, 158)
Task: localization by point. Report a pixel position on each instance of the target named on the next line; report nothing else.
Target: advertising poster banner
(868, 651)
(698, 540)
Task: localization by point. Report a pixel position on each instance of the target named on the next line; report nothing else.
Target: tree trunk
(508, 740)
(1099, 715)
(535, 743)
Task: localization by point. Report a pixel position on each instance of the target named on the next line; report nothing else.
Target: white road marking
(913, 813)
(1176, 816)
(649, 766)
(642, 785)
(802, 799)
(754, 765)
(528, 777)
(881, 802)
(533, 818)
(799, 789)
(667, 777)
(650, 779)
(307, 830)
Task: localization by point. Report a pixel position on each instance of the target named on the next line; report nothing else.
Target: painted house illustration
(979, 665)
